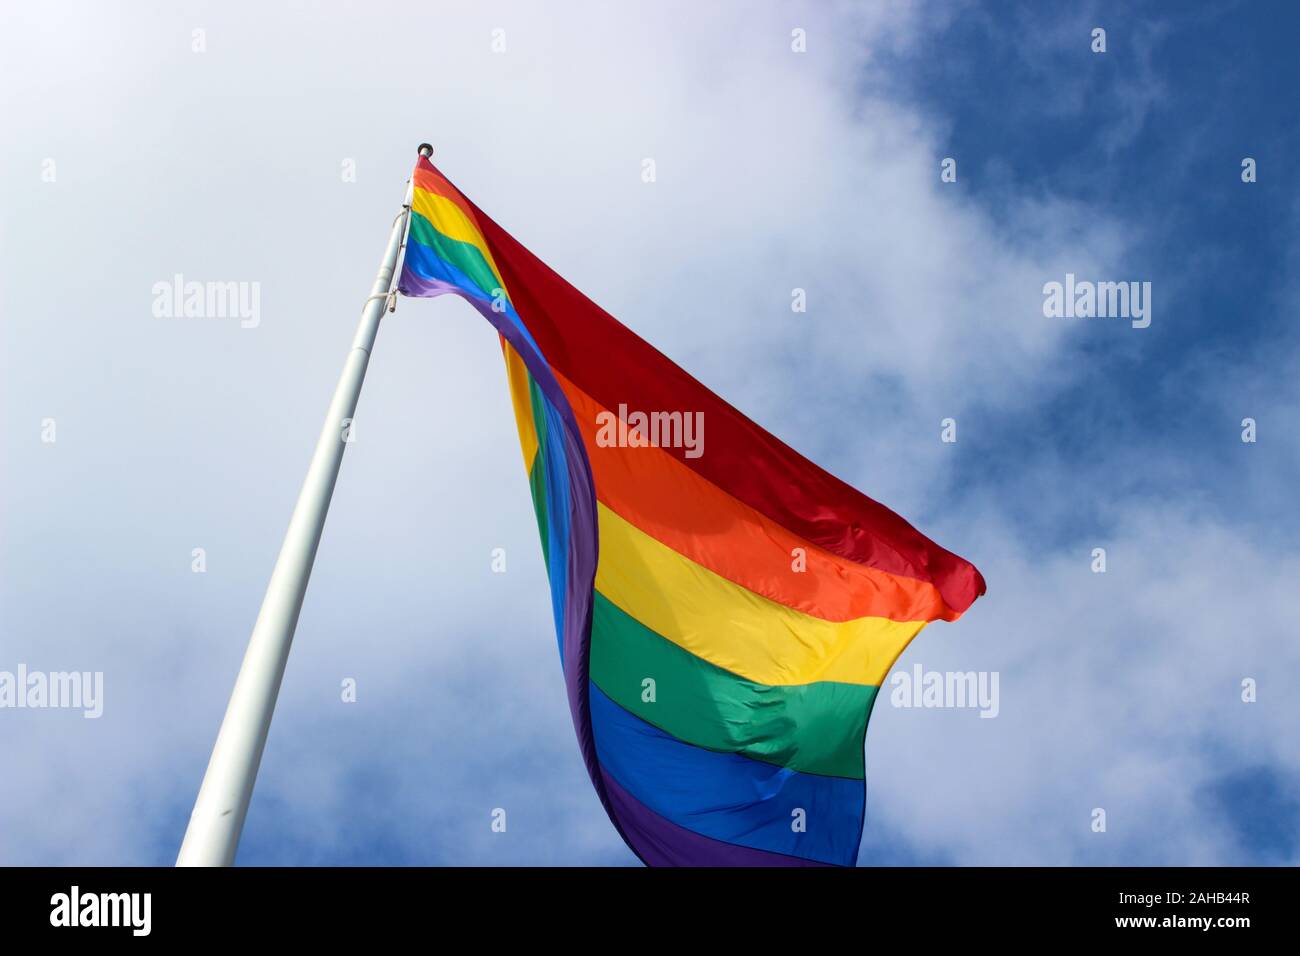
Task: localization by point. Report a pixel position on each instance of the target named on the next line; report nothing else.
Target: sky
(271, 147)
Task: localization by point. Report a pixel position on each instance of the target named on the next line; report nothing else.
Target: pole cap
(425, 150)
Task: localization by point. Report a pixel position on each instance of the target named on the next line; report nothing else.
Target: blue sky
(1159, 122)
(1153, 134)
(777, 170)
(1157, 141)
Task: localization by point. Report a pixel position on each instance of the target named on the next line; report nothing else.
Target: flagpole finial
(425, 150)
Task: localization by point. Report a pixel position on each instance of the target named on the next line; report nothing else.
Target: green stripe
(464, 256)
(815, 728)
(535, 401)
(537, 472)
(537, 485)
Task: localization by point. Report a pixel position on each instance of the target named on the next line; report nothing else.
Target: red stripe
(679, 507)
(613, 365)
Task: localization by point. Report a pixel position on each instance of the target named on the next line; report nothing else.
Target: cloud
(1120, 690)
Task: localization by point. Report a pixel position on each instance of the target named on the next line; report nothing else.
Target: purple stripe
(416, 285)
(584, 544)
(661, 842)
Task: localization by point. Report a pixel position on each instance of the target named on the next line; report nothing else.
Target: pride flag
(726, 610)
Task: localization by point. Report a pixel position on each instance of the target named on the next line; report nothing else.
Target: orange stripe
(434, 182)
(672, 502)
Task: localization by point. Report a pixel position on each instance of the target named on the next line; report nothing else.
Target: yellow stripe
(450, 220)
(731, 626)
(517, 376)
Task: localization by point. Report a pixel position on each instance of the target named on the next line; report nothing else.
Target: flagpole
(212, 835)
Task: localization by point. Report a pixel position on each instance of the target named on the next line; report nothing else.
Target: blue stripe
(558, 514)
(728, 796)
(424, 262)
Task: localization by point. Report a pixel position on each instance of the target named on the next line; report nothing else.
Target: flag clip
(389, 304)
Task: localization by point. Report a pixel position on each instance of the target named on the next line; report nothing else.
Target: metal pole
(218, 817)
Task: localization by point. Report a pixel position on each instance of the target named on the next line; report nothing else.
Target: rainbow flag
(726, 610)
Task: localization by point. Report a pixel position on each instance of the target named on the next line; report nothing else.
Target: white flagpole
(218, 817)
